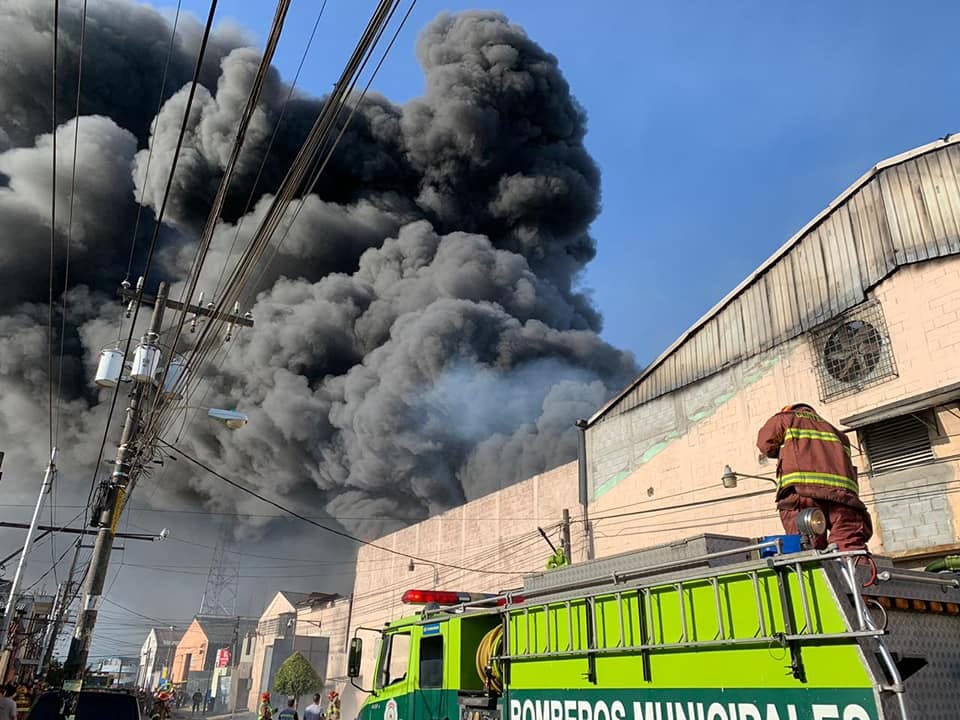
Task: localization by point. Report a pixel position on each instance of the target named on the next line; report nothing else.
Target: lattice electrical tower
(223, 580)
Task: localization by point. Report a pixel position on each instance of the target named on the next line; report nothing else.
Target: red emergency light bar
(450, 597)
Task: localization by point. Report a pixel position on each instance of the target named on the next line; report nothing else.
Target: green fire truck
(712, 628)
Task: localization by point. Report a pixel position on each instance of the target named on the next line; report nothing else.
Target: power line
(336, 143)
(158, 224)
(236, 237)
(680, 506)
(73, 194)
(290, 185)
(266, 153)
(216, 208)
(53, 217)
(133, 612)
(304, 518)
(234, 514)
(146, 172)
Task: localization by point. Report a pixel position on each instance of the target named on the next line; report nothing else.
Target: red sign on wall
(223, 657)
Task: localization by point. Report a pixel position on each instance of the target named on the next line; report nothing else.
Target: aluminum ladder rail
(763, 631)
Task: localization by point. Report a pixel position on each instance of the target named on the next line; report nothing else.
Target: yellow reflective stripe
(794, 433)
(815, 478)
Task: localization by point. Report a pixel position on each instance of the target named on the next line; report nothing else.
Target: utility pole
(61, 604)
(114, 493)
(48, 476)
(565, 536)
(583, 483)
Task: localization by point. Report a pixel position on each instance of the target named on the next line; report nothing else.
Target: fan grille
(853, 352)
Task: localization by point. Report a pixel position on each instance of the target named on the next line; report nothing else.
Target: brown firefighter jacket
(813, 456)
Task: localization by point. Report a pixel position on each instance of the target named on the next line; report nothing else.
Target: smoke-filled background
(420, 338)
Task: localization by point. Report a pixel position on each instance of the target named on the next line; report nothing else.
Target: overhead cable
(292, 183)
(146, 172)
(321, 526)
(206, 237)
(53, 216)
(158, 222)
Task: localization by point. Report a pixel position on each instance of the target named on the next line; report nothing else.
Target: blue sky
(720, 127)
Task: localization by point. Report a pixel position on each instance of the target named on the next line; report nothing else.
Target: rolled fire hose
(487, 668)
(951, 562)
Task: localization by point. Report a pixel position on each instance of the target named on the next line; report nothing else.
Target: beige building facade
(314, 624)
(858, 315)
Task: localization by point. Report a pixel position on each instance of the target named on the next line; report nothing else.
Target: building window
(900, 442)
(431, 662)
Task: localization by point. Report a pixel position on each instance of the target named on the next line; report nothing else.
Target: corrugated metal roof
(904, 210)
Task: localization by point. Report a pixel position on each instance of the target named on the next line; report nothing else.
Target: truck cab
(426, 664)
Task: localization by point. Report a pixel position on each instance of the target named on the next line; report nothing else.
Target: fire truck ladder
(549, 626)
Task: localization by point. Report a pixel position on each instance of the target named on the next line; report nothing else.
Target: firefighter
(266, 712)
(814, 469)
(333, 709)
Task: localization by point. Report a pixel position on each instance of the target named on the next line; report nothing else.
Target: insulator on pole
(193, 321)
(236, 311)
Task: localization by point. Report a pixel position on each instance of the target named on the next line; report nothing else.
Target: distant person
(815, 470)
(265, 711)
(314, 711)
(197, 702)
(333, 709)
(8, 707)
(289, 712)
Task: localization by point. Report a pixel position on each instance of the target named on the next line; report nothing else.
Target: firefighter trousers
(849, 527)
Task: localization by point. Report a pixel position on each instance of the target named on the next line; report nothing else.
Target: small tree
(296, 677)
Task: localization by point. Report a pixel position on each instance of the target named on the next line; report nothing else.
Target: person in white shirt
(8, 707)
(313, 712)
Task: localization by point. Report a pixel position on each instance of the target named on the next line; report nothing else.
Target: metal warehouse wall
(907, 210)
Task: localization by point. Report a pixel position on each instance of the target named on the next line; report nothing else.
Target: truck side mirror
(354, 658)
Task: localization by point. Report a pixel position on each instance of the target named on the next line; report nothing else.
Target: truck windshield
(394, 659)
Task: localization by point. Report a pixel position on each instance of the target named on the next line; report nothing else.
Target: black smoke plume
(419, 339)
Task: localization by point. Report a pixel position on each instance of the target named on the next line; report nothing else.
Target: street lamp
(731, 477)
(292, 622)
(231, 418)
(436, 575)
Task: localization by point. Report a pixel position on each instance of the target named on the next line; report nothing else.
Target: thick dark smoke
(419, 339)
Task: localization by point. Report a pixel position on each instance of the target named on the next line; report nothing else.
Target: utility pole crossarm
(244, 320)
(74, 531)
